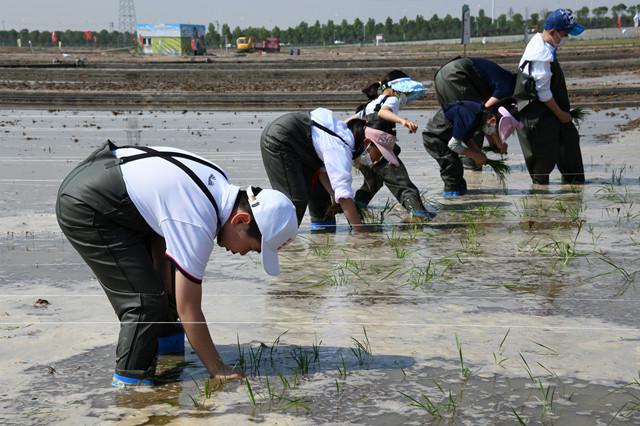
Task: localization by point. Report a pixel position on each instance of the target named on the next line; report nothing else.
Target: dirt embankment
(328, 77)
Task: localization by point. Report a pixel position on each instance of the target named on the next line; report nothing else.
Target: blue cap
(563, 20)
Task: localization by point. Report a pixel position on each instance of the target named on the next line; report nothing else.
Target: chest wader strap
(378, 106)
(334, 134)
(169, 156)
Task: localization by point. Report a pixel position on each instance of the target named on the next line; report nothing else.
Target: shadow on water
(338, 388)
(84, 380)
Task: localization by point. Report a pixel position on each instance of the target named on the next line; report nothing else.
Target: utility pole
(493, 11)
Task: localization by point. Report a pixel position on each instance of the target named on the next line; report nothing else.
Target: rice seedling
(285, 381)
(270, 389)
(370, 216)
(470, 243)
(275, 344)
(256, 358)
(241, 362)
(551, 350)
(362, 349)
(404, 373)
(296, 377)
(520, 421)
(339, 277)
(488, 211)
(609, 192)
(302, 359)
(465, 373)
(631, 407)
(400, 252)
(499, 359)
(297, 404)
(501, 169)
(354, 267)
(569, 209)
(547, 393)
(565, 250)
(616, 175)
(322, 249)
(578, 114)
(316, 351)
(252, 396)
(339, 387)
(204, 393)
(342, 368)
(420, 277)
(628, 277)
(428, 405)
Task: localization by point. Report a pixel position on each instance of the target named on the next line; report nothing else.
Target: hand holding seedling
(225, 374)
(409, 125)
(478, 157)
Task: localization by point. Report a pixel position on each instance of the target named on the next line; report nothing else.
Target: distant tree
(275, 32)
(582, 14)
(370, 28)
(225, 34)
(358, 30)
(618, 10)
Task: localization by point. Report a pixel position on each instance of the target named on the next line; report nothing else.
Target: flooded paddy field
(515, 305)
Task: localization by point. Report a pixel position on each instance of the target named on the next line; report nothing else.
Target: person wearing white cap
(145, 220)
(549, 137)
(308, 156)
(449, 134)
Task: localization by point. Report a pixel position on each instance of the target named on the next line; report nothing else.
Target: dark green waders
(291, 163)
(545, 141)
(435, 139)
(458, 80)
(97, 216)
(395, 178)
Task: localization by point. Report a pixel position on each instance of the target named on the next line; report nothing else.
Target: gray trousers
(291, 164)
(99, 219)
(545, 143)
(395, 178)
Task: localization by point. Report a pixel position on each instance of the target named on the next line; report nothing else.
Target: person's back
(145, 219)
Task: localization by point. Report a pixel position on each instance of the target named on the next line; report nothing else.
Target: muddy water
(537, 287)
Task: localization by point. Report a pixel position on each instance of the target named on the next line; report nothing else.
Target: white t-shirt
(540, 54)
(392, 103)
(336, 154)
(176, 208)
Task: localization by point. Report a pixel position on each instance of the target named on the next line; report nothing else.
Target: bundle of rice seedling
(501, 170)
(578, 114)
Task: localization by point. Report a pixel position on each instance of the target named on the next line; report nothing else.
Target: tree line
(358, 31)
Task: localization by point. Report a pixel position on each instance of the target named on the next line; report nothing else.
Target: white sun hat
(276, 218)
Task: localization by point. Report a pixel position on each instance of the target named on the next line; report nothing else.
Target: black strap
(379, 104)
(524, 64)
(331, 132)
(169, 156)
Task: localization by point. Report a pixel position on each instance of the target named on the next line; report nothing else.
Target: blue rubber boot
(318, 227)
(422, 214)
(120, 381)
(451, 194)
(171, 345)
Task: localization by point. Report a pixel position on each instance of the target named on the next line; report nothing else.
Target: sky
(103, 14)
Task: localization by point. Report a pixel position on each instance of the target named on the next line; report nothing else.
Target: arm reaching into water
(188, 298)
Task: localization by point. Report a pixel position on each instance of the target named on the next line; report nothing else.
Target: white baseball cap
(276, 218)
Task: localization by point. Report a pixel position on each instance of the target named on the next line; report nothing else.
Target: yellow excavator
(246, 44)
